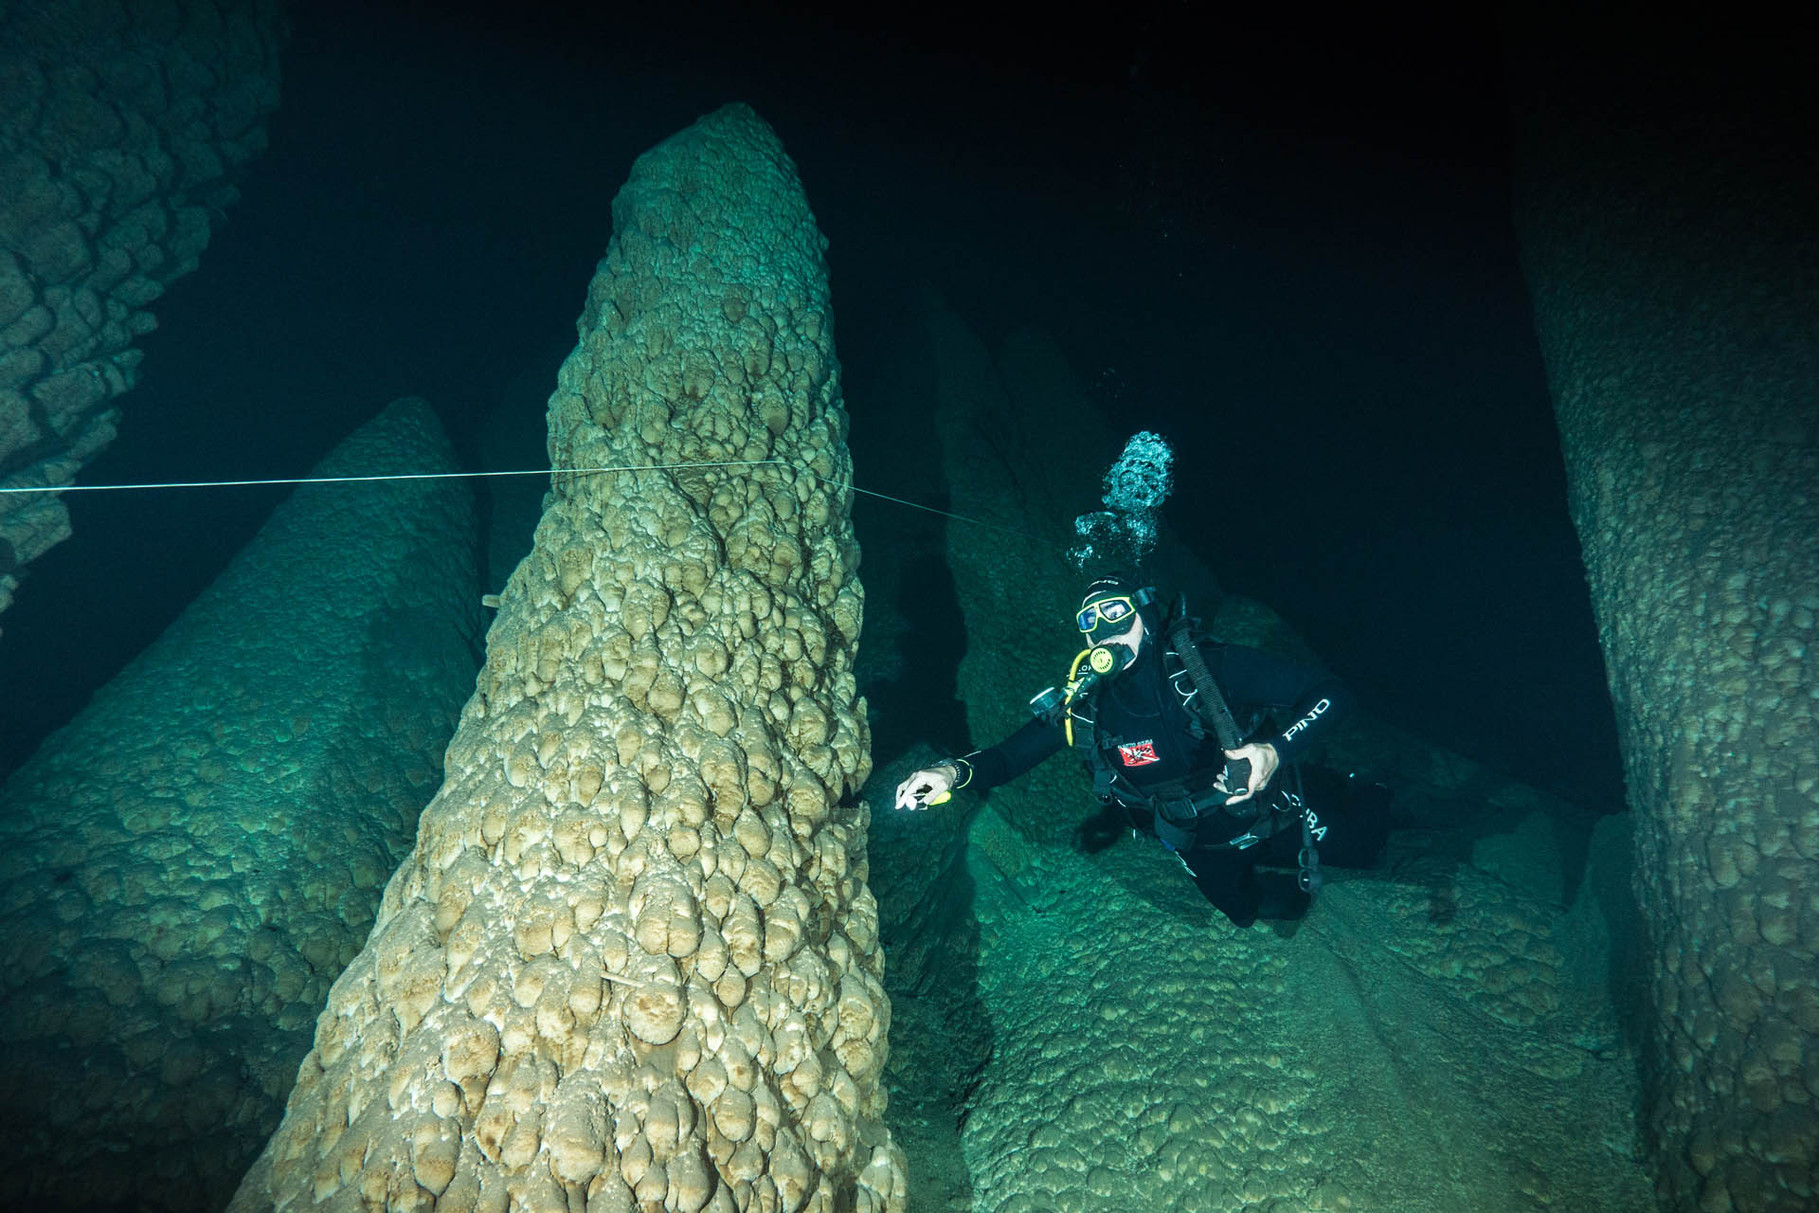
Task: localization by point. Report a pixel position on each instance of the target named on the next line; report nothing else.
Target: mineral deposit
(122, 125)
(187, 866)
(633, 962)
(1668, 244)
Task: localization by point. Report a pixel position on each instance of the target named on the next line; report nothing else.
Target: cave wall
(1664, 208)
(633, 960)
(123, 124)
(186, 866)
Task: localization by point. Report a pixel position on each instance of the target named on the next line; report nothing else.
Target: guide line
(630, 467)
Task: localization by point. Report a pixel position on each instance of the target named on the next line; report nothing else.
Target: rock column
(122, 125)
(633, 961)
(188, 865)
(1668, 245)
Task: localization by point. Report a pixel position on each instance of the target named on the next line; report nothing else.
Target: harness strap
(1308, 858)
(1312, 831)
(1208, 706)
(1211, 703)
(1270, 822)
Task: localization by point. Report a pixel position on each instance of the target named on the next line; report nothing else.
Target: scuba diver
(1197, 742)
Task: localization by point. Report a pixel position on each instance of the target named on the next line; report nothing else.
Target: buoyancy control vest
(1178, 808)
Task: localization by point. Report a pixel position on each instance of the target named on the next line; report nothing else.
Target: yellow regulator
(1101, 662)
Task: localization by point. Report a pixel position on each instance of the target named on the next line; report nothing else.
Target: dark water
(1287, 249)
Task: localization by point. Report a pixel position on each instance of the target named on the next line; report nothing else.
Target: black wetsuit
(1146, 734)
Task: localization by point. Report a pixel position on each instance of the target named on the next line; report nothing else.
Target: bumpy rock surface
(1436, 1035)
(122, 123)
(1672, 262)
(187, 866)
(633, 960)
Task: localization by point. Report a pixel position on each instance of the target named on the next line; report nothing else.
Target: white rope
(640, 467)
(228, 484)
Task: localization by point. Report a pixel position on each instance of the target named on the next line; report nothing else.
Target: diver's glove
(934, 785)
(1248, 770)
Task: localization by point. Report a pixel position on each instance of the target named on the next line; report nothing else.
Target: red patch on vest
(1138, 753)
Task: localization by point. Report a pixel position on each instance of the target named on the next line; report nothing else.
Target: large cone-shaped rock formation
(122, 123)
(1670, 251)
(633, 961)
(186, 867)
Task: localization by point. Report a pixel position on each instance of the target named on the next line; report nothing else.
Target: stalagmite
(633, 961)
(122, 126)
(1668, 243)
(186, 867)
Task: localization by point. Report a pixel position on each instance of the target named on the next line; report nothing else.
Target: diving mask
(1106, 615)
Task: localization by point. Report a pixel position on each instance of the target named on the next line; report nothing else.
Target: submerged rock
(633, 960)
(187, 866)
(1667, 237)
(123, 125)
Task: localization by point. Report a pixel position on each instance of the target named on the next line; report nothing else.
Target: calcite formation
(1668, 246)
(187, 866)
(122, 126)
(633, 961)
